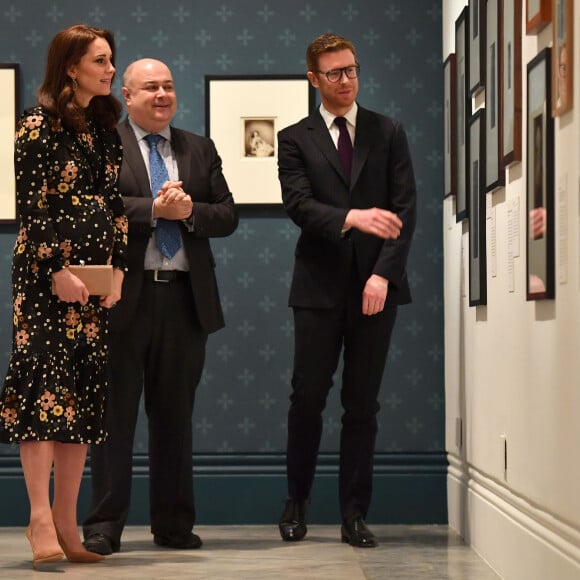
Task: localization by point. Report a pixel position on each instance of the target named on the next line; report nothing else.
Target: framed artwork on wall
(494, 173)
(562, 56)
(9, 112)
(477, 234)
(511, 81)
(449, 127)
(245, 129)
(538, 15)
(476, 45)
(463, 108)
(540, 180)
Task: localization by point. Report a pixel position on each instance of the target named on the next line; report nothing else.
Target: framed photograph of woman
(259, 138)
(538, 15)
(540, 181)
(449, 129)
(562, 56)
(477, 233)
(494, 173)
(463, 108)
(511, 80)
(477, 21)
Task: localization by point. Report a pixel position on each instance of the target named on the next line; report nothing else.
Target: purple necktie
(344, 145)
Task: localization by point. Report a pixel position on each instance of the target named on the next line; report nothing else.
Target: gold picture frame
(562, 56)
(538, 15)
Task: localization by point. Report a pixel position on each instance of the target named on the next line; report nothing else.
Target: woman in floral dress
(67, 161)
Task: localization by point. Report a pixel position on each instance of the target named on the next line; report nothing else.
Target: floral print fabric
(70, 211)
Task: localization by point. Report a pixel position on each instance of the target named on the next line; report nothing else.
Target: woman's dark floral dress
(70, 211)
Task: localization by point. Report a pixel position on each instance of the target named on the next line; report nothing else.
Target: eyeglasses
(334, 75)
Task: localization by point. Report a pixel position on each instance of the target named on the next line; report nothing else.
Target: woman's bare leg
(69, 463)
(37, 458)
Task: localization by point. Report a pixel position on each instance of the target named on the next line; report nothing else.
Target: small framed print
(562, 56)
(449, 128)
(511, 81)
(477, 21)
(477, 222)
(463, 108)
(538, 15)
(494, 174)
(540, 181)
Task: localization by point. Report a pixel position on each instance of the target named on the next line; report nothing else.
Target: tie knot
(340, 122)
(153, 139)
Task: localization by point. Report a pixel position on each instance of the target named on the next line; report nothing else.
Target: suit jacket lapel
(182, 155)
(362, 144)
(321, 136)
(133, 159)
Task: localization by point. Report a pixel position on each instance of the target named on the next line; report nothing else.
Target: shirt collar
(141, 133)
(329, 117)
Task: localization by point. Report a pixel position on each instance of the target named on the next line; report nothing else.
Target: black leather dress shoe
(292, 524)
(101, 544)
(189, 541)
(356, 533)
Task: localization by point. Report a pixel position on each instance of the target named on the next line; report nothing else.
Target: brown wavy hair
(326, 43)
(56, 92)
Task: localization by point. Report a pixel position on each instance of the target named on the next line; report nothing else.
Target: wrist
(350, 220)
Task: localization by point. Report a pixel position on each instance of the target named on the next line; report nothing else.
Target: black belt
(165, 275)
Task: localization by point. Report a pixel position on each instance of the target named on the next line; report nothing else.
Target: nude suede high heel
(42, 557)
(79, 556)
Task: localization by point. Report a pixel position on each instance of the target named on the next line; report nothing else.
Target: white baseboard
(517, 539)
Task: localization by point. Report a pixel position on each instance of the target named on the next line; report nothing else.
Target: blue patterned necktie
(344, 145)
(167, 231)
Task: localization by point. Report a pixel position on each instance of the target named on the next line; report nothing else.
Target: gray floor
(405, 553)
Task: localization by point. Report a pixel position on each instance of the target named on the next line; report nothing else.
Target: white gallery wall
(512, 369)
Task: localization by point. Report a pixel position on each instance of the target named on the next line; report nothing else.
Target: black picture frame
(477, 19)
(540, 258)
(463, 104)
(263, 105)
(477, 221)
(494, 173)
(449, 127)
(9, 113)
(511, 81)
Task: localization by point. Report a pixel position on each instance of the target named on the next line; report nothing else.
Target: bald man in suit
(170, 303)
(348, 183)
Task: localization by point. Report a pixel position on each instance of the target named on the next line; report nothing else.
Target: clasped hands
(172, 203)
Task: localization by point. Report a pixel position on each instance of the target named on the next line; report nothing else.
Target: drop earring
(75, 85)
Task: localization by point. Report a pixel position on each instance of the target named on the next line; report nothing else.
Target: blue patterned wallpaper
(243, 399)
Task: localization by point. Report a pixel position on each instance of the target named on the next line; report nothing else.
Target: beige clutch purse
(97, 279)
